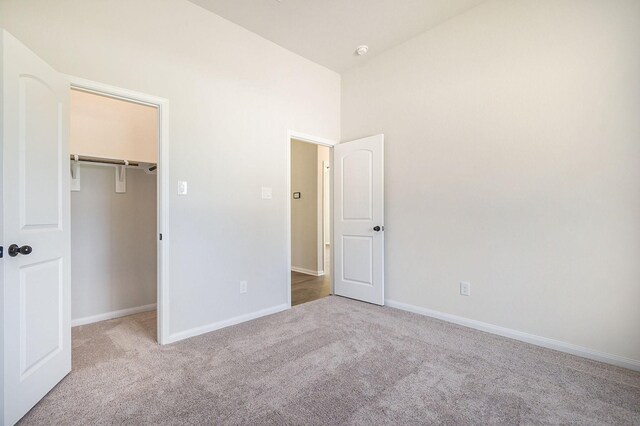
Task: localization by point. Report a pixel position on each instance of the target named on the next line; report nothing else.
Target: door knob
(15, 250)
(378, 228)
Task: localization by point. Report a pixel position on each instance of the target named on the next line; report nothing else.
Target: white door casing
(162, 171)
(35, 203)
(359, 219)
(326, 203)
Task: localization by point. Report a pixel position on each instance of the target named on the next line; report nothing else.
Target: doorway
(118, 147)
(356, 220)
(310, 261)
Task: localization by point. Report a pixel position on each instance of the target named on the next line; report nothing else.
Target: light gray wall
(304, 211)
(113, 242)
(513, 162)
(233, 97)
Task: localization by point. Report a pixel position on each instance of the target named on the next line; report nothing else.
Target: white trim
(112, 315)
(521, 336)
(292, 134)
(326, 189)
(307, 271)
(310, 139)
(114, 92)
(162, 184)
(196, 331)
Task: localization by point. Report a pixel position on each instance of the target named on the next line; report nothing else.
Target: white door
(35, 207)
(359, 219)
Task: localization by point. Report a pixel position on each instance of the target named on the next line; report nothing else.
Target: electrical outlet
(243, 287)
(267, 193)
(465, 288)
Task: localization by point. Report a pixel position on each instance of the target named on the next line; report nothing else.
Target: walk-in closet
(113, 147)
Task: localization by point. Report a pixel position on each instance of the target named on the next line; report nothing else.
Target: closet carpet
(332, 361)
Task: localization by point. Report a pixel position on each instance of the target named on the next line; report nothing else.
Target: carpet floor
(331, 362)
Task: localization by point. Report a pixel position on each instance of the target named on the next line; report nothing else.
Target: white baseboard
(307, 271)
(196, 331)
(519, 335)
(112, 315)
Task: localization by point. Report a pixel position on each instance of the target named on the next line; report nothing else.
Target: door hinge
(160, 237)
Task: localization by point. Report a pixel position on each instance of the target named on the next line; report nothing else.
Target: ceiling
(328, 31)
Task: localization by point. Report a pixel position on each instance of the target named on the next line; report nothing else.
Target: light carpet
(331, 362)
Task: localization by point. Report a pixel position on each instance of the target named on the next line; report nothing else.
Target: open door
(359, 219)
(36, 317)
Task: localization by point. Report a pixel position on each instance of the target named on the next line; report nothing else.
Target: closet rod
(104, 160)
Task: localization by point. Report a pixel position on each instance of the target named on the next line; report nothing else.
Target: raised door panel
(41, 314)
(357, 186)
(357, 259)
(40, 147)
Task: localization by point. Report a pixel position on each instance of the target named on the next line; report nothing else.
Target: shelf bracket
(75, 174)
(121, 178)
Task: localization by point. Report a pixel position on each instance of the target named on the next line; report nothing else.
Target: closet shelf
(113, 161)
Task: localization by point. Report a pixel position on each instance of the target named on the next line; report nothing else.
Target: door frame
(162, 186)
(292, 134)
(326, 187)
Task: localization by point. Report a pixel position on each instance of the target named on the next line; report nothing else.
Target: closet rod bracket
(75, 173)
(121, 178)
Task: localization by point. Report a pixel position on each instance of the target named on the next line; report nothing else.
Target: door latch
(15, 250)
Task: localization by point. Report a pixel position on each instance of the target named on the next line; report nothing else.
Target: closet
(113, 146)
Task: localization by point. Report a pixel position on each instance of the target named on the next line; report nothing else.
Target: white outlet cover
(182, 187)
(243, 286)
(465, 288)
(267, 193)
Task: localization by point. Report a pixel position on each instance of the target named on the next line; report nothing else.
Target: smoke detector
(362, 50)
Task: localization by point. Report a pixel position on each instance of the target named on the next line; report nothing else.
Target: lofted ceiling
(328, 31)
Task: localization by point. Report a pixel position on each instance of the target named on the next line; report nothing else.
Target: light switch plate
(266, 193)
(182, 187)
(465, 288)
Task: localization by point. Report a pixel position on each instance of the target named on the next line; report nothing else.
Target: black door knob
(15, 250)
(377, 228)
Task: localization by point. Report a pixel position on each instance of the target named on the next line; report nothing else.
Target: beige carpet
(332, 361)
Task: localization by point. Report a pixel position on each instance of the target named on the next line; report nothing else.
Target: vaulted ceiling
(328, 31)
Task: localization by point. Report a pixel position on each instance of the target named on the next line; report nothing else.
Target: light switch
(266, 193)
(182, 187)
